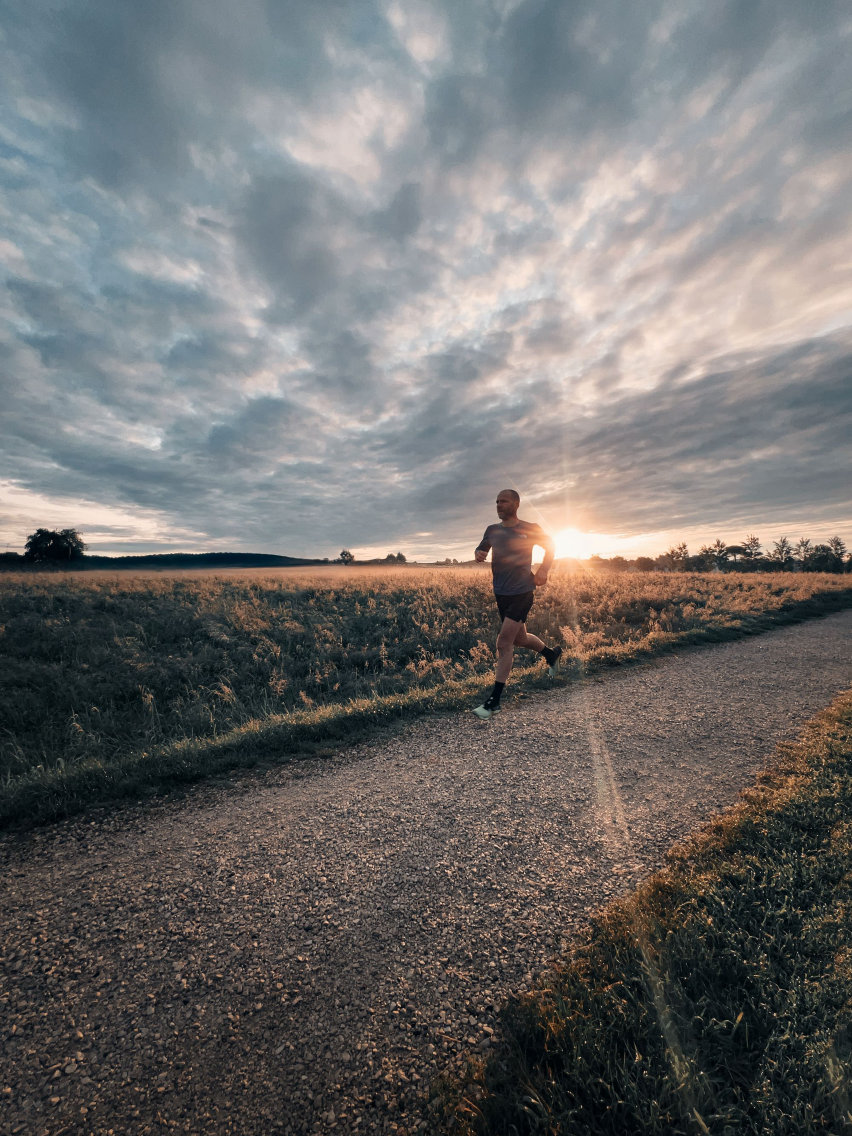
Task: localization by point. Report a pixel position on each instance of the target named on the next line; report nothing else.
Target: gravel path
(304, 950)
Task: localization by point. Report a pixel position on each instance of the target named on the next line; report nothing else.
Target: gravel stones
(303, 951)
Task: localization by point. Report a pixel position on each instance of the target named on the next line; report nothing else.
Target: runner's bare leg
(509, 631)
(512, 634)
(525, 639)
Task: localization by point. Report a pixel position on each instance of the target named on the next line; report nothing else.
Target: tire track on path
(304, 950)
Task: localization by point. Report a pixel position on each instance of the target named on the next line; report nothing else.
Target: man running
(511, 544)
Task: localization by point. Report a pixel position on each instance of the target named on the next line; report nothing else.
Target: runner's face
(506, 506)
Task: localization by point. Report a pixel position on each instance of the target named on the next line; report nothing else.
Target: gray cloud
(574, 64)
(150, 81)
(461, 110)
(714, 447)
(402, 216)
(288, 224)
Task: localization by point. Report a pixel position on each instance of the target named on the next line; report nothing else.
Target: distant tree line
(749, 556)
(347, 557)
(49, 547)
(46, 548)
(66, 547)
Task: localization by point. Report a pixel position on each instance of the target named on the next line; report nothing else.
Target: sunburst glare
(578, 545)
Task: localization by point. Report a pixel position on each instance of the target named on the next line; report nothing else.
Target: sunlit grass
(117, 679)
(716, 999)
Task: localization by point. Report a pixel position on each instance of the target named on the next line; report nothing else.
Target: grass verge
(717, 998)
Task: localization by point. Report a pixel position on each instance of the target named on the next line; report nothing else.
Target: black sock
(494, 696)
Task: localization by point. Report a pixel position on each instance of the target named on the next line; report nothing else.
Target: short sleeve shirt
(511, 555)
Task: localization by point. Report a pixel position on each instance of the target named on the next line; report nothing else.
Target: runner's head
(507, 504)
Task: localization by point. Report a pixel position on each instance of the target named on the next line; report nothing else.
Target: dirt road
(304, 950)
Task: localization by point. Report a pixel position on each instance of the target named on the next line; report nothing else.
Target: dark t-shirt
(511, 555)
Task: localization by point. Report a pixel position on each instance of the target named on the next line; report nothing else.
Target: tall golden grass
(97, 666)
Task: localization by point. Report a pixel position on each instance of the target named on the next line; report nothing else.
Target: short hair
(516, 497)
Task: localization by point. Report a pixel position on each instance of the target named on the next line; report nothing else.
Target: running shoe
(552, 656)
(487, 710)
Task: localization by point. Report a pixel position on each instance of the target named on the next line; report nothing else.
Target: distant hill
(171, 560)
(198, 560)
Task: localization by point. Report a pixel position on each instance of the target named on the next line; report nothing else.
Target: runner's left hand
(540, 578)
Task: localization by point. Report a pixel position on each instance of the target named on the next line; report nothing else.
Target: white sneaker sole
(484, 713)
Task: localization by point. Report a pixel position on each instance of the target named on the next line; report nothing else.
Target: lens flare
(578, 545)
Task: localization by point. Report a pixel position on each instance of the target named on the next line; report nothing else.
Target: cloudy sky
(297, 275)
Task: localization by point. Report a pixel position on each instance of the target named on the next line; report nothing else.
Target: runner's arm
(545, 541)
(481, 550)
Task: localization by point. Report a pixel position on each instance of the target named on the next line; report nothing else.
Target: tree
(47, 545)
(803, 548)
(703, 560)
(720, 553)
(823, 558)
(735, 551)
(346, 557)
(644, 564)
(675, 558)
(400, 558)
(782, 553)
(751, 547)
(837, 546)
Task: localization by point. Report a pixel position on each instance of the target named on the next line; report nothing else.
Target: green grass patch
(715, 999)
(115, 685)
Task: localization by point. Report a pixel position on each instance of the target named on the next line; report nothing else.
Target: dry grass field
(104, 673)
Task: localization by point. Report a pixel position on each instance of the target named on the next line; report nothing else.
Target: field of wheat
(97, 667)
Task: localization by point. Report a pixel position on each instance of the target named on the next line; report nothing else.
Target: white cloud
(421, 28)
(23, 510)
(160, 266)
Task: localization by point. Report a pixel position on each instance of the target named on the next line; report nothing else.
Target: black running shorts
(515, 607)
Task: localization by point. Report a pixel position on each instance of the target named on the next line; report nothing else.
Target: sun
(577, 545)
